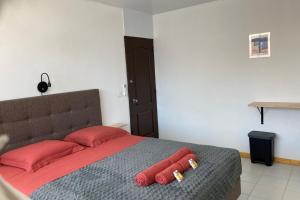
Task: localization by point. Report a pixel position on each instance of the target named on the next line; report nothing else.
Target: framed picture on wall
(259, 45)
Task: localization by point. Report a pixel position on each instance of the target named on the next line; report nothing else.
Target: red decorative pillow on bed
(96, 135)
(35, 156)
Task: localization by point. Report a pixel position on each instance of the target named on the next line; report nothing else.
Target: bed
(106, 172)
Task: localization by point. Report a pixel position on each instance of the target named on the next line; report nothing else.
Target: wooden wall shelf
(284, 105)
(280, 105)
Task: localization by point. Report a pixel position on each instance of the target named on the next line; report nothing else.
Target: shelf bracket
(261, 111)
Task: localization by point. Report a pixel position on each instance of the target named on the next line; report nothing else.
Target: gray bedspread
(113, 178)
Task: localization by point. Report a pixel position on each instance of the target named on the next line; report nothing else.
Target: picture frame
(260, 45)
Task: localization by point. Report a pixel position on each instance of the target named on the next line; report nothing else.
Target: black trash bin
(262, 147)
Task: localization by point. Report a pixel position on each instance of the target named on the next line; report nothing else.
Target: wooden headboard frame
(34, 119)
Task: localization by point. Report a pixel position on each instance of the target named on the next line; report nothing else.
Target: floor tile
(295, 174)
(243, 197)
(268, 193)
(278, 182)
(273, 181)
(294, 185)
(251, 172)
(291, 195)
(271, 188)
(247, 187)
(279, 170)
(250, 167)
(256, 198)
(251, 177)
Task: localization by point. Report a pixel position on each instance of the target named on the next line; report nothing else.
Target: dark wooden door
(141, 86)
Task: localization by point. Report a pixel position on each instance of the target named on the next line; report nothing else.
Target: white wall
(205, 79)
(78, 42)
(138, 24)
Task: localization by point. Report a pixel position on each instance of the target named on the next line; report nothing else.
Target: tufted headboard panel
(30, 120)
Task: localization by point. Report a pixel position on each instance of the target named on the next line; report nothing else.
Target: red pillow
(35, 156)
(96, 135)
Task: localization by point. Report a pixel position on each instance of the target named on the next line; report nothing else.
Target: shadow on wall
(4, 3)
(11, 3)
(128, 3)
(153, 6)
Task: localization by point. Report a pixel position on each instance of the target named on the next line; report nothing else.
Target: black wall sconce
(43, 86)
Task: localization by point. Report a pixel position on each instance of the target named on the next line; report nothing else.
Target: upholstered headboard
(30, 120)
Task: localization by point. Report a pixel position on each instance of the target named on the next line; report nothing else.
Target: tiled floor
(279, 182)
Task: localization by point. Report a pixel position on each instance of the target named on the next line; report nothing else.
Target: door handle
(135, 101)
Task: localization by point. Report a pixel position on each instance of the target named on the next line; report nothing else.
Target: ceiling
(153, 6)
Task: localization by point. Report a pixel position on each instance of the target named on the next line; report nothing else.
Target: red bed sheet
(29, 182)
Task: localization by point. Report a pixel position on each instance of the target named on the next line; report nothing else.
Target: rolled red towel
(184, 162)
(166, 176)
(179, 154)
(147, 177)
